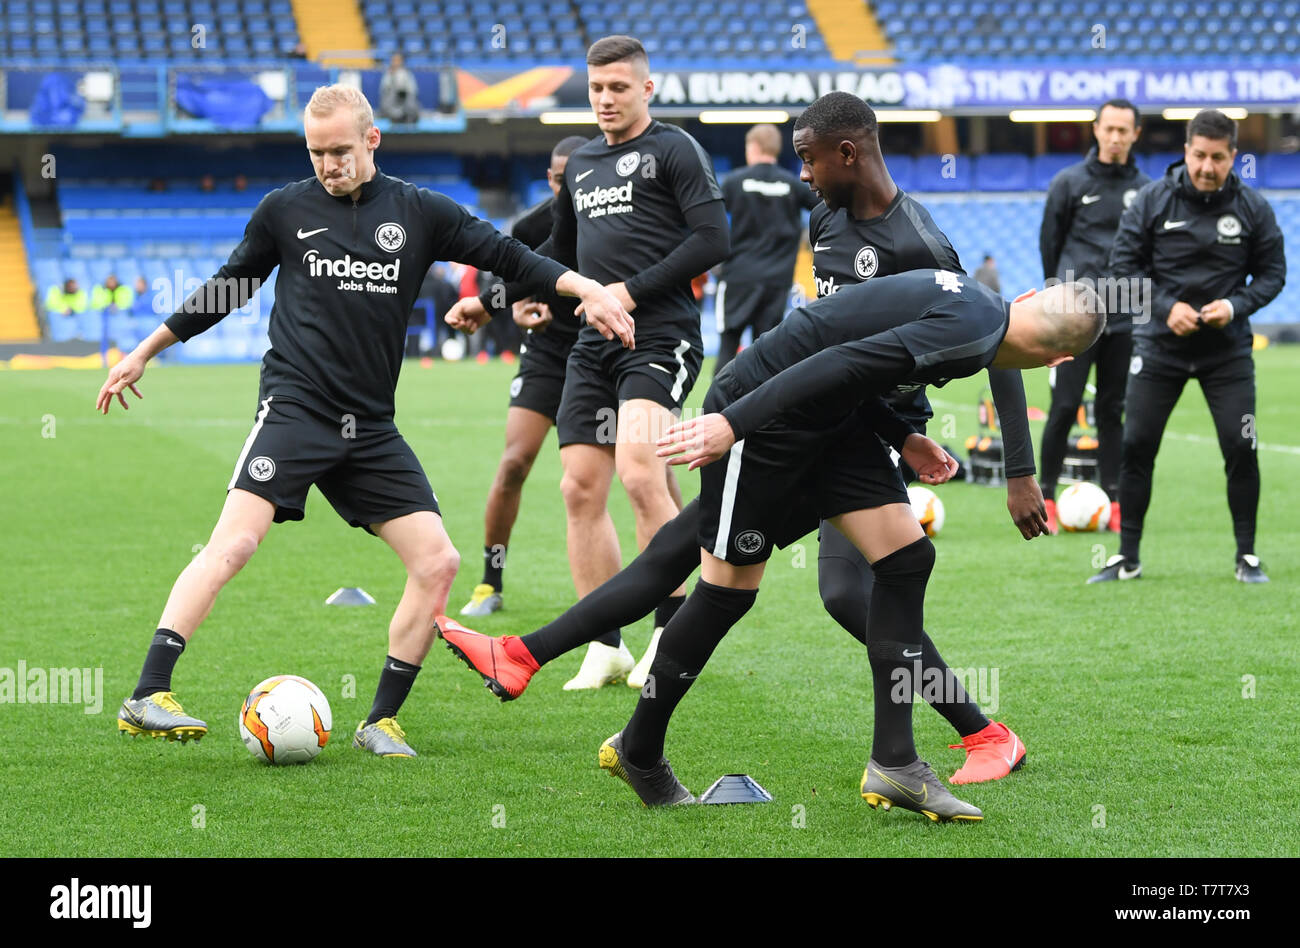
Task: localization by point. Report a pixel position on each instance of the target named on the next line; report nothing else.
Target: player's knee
(436, 568)
(515, 466)
(234, 551)
(911, 563)
(845, 597)
(583, 494)
(644, 483)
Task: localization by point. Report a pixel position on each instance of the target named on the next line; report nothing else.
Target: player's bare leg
(431, 561)
(152, 710)
(645, 476)
(901, 558)
(526, 432)
(594, 555)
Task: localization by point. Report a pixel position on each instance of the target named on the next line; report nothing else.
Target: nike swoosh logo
(175, 644)
(392, 667)
(916, 796)
(1128, 574)
(907, 654)
(303, 235)
(659, 367)
(584, 174)
(818, 248)
(1011, 761)
(688, 676)
(1090, 198)
(1170, 225)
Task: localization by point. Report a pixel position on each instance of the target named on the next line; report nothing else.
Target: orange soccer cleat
(991, 754)
(1052, 527)
(504, 663)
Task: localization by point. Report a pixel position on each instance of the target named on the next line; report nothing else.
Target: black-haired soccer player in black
(352, 245)
(766, 205)
(787, 423)
(640, 210)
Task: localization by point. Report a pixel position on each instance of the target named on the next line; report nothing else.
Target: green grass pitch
(1159, 715)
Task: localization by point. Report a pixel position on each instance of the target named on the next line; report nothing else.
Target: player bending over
(921, 327)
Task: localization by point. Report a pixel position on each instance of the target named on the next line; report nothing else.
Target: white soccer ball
(453, 348)
(1082, 508)
(285, 720)
(928, 509)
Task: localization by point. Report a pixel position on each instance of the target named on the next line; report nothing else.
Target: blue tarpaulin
(225, 102)
(57, 102)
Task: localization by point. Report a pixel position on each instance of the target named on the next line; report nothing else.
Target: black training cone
(735, 788)
(350, 596)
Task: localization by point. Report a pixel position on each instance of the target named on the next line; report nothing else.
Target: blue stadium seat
(943, 173)
(996, 172)
(1045, 167)
(1280, 171)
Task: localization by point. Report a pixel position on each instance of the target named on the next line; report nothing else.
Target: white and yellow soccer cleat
(600, 666)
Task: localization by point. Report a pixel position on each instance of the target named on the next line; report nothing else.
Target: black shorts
(778, 483)
(366, 470)
(539, 383)
(601, 375)
(758, 305)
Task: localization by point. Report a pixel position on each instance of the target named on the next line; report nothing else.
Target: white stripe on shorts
(720, 306)
(252, 436)
(728, 499)
(680, 382)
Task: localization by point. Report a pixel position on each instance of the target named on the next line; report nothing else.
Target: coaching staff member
(1084, 204)
(1196, 235)
(764, 201)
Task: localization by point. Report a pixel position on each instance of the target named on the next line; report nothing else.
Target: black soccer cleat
(1250, 570)
(656, 786)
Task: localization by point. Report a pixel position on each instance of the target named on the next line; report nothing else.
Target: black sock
(690, 638)
(894, 633)
(494, 561)
(159, 661)
(611, 638)
(395, 683)
(946, 694)
(667, 561)
(665, 611)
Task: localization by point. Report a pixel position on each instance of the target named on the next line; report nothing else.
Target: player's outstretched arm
(600, 307)
(126, 373)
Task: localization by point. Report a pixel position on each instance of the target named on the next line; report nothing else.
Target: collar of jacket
(1099, 168)
(369, 189)
(1189, 192)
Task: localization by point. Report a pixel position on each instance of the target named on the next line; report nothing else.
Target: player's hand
(529, 314)
(122, 376)
(1216, 314)
(933, 465)
(1025, 502)
(1183, 319)
(620, 293)
(467, 315)
(697, 442)
(602, 309)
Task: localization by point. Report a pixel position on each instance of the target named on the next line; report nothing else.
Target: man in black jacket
(352, 245)
(1084, 204)
(1195, 236)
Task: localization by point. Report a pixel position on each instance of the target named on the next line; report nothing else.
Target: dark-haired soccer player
(765, 203)
(866, 228)
(352, 245)
(639, 209)
(1084, 203)
(1195, 235)
(786, 420)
